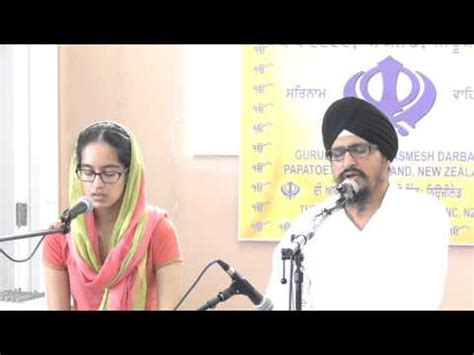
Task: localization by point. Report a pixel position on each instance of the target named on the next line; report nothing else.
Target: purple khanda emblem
(290, 189)
(396, 110)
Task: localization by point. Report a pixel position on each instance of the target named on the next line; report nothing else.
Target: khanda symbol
(290, 189)
(410, 109)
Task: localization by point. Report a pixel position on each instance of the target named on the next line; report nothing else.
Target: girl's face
(106, 189)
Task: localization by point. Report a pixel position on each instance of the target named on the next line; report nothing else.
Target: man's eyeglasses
(107, 177)
(358, 150)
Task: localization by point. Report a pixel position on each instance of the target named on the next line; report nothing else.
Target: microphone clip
(235, 288)
(65, 216)
(66, 219)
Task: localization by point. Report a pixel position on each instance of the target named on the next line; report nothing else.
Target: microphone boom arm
(235, 288)
(63, 230)
(300, 240)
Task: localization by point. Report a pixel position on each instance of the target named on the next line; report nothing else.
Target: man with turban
(379, 247)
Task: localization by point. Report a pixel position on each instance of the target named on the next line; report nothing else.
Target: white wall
(29, 156)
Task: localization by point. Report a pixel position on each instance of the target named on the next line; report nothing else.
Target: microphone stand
(235, 288)
(63, 230)
(296, 256)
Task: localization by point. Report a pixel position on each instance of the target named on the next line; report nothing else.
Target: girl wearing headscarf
(124, 255)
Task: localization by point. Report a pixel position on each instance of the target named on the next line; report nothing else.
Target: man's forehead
(347, 138)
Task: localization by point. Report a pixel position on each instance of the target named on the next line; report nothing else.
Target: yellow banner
(287, 89)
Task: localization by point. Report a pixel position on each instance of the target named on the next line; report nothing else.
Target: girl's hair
(110, 133)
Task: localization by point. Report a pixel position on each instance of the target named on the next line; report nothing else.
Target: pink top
(164, 249)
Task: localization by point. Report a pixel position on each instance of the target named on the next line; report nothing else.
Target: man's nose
(348, 159)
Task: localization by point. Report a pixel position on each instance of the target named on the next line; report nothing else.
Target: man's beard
(362, 197)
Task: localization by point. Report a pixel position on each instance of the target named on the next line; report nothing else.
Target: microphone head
(83, 205)
(348, 189)
(88, 202)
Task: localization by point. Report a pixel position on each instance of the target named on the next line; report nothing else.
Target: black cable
(28, 258)
(194, 284)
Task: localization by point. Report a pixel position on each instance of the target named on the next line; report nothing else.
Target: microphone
(83, 205)
(261, 303)
(347, 189)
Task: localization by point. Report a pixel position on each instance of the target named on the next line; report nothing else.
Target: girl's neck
(106, 217)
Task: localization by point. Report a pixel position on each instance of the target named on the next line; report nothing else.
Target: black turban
(362, 119)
